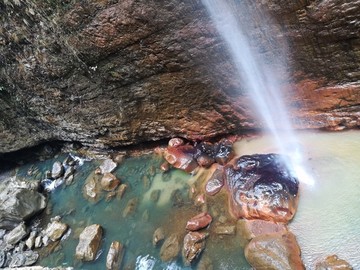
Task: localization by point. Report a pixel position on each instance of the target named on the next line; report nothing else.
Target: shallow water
(142, 175)
(328, 218)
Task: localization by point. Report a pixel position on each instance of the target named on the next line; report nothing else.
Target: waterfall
(260, 81)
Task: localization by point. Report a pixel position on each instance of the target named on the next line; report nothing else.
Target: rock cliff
(108, 73)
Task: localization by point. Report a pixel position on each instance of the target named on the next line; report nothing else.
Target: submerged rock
(194, 244)
(252, 228)
(260, 186)
(170, 248)
(19, 201)
(333, 262)
(130, 208)
(115, 256)
(109, 182)
(158, 236)
(276, 251)
(199, 221)
(89, 243)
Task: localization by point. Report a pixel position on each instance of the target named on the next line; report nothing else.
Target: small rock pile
(103, 180)
(19, 246)
(61, 172)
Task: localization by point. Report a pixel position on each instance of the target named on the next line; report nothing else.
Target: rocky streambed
(205, 205)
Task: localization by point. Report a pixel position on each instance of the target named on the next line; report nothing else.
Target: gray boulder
(19, 201)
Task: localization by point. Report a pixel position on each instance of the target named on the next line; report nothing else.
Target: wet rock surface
(198, 222)
(170, 248)
(252, 228)
(89, 243)
(260, 186)
(274, 251)
(194, 244)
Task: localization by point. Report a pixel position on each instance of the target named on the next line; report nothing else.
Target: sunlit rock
(333, 262)
(175, 142)
(55, 230)
(89, 243)
(199, 221)
(170, 248)
(92, 188)
(115, 256)
(276, 251)
(109, 182)
(260, 186)
(194, 244)
(108, 166)
(57, 170)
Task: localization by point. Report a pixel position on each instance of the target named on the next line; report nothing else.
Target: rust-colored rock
(261, 187)
(274, 252)
(199, 221)
(181, 157)
(115, 256)
(215, 181)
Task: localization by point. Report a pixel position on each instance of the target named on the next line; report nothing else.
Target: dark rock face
(260, 186)
(108, 73)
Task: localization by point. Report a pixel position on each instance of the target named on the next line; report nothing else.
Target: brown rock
(92, 188)
(109, 182)
(261, 187)
(115, 256)
(333, 263)
(170, 248)
(194, 244)
(199, 221)
(175, 142)
(252, 228)
(181, 157)
(274, 252)
(215, 181)
(89, 243)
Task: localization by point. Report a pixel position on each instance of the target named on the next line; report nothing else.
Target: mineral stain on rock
(260, 186)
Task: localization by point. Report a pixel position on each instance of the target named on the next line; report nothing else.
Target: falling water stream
(259, 79)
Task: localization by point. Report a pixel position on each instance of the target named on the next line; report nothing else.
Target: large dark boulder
(261, 186)
(109, 73)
